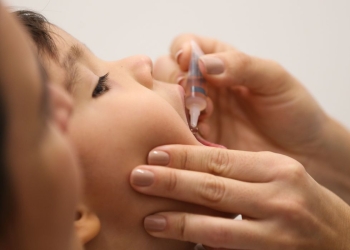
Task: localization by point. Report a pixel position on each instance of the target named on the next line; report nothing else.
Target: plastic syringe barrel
(196, 87)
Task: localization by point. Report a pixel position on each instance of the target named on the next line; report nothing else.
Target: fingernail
(158, 158)
(213, 65)
(142, 178)
(154, 223)
(177, 55)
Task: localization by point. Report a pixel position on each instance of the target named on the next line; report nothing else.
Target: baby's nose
(141, 67)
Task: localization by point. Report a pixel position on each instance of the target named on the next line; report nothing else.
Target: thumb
(234, 68)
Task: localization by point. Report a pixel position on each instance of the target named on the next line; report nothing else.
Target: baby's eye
(101, 86)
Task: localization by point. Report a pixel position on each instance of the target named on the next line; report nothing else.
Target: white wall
(311, 38)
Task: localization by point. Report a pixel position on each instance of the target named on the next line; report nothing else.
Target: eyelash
(101, 86)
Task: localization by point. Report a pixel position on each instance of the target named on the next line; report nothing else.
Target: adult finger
(234, 68)
(180, 48)
(226, 66)
(167, 70)
(218, 233)
(218, 193)
(233, 164)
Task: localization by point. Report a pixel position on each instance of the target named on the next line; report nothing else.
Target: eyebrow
(74, 53)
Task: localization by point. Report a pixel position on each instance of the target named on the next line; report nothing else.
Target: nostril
(147, 61)
(142, 67)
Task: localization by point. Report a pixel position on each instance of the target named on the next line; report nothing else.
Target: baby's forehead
(63, 41)
(50, 43)
(68, 51)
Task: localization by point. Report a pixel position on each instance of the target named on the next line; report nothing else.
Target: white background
(311, 38)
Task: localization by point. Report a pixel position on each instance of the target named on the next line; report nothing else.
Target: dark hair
(39, 29)
(5, 185)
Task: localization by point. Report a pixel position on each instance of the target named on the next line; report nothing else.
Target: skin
(259, 106)
(282, 206)
(43, 170)
(113, 133)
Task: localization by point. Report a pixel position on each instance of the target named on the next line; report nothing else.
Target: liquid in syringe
(196, 88)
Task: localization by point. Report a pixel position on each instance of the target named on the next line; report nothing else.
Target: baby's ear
(87, 224)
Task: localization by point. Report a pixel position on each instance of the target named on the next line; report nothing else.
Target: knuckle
(285, 167)
(293, 210)
(286, 203)
(218, 236)
(171, 183)
(212, 189)
(179, 41)
(277, 66)
(240, 65)
(243, 61)
(219, 162)
(289, 208)
(184, 159)
(280, 73)
(293, 171)
(181, 227)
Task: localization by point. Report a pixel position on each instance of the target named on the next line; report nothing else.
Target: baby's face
(120, 114)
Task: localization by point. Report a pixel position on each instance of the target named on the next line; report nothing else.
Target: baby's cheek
(113, 137)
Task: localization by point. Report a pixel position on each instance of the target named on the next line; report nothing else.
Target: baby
(120, 114)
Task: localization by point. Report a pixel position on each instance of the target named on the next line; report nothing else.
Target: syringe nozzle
(194, 115)
(194, 130)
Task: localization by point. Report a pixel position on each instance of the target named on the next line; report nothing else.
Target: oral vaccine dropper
(196, 88)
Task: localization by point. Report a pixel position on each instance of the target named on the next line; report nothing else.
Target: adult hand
(283, 206)
(259, 106)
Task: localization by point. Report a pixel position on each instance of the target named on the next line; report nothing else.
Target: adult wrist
(329, 165)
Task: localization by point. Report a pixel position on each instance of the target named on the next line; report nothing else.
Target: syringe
(196, 88)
